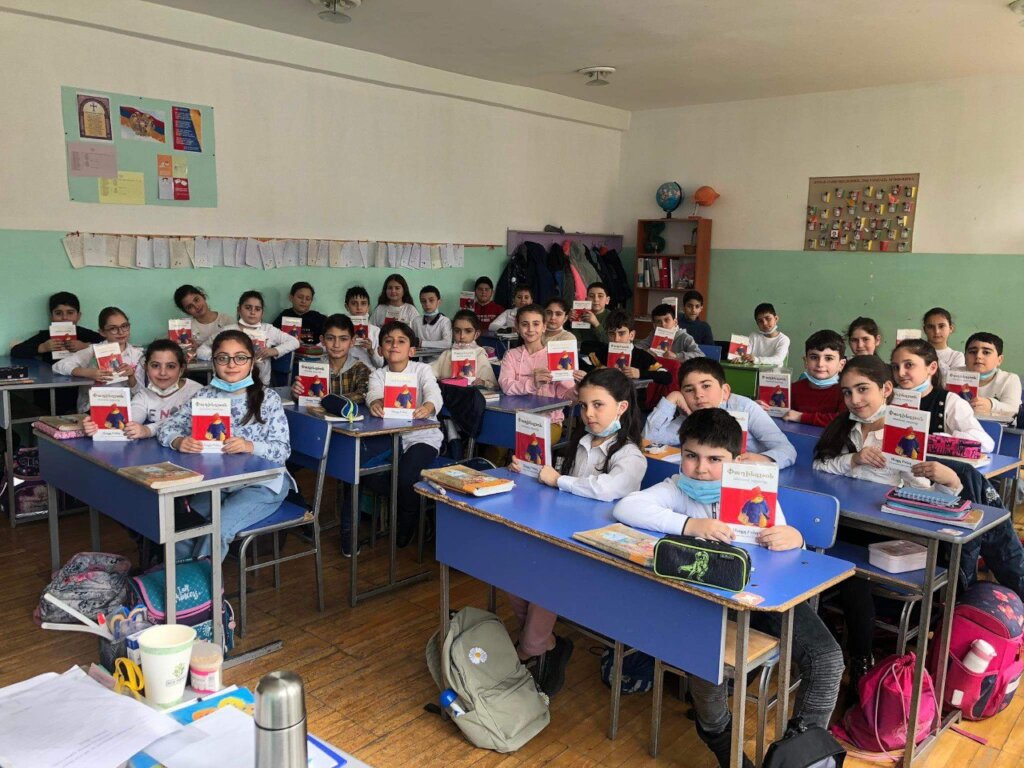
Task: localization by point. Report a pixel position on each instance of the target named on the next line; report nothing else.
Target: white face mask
(164, 392)
(879, 414)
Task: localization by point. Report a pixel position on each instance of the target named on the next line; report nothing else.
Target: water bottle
(280, 715)
(979, 656)
(450, 703)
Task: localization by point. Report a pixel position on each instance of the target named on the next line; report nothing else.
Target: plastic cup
(166, 650)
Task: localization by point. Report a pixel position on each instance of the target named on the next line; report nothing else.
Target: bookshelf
(681, 261)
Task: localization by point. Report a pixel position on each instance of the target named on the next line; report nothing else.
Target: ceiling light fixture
(334, 10)
(601, 75)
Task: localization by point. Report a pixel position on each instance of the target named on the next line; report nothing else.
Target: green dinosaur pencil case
(704, 562)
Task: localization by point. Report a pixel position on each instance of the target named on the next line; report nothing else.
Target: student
(556, 312)
(524, 369)
(258, 426)
(357, 304)
(683, 346)
(420, 447)
(276, 343)
(688, 503)
(938, 326)
(693, 305)
(864, 337)
(598, 297)
(115, 328)
(815, 397)
(465, 332)
(642, 364)
(64, 308)
(769, 346)
(486, 309)
(206, 323)
(603, 462)
(433, 329)
(507, 319)
(702, 385)
(349, 375)
(165, 391)
(301, 296)
(915, 366)
(999, 393)
(394, 303)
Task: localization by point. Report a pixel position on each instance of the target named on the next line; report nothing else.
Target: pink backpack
(995, 614)
(879, 722)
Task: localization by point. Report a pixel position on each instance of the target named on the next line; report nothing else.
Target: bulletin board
(131, 150)
(862, 213)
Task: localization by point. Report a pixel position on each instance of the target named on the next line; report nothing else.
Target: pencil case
(947, 445)
(13, 372)
(699, 561)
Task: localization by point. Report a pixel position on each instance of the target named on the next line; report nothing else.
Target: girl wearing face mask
(915, 366)
(258, 426)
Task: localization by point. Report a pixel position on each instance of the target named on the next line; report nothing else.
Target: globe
(669, 197)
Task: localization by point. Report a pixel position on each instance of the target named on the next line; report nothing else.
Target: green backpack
(503, 706)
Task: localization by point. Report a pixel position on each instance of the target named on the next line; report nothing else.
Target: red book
(211, 422)
(749, 496)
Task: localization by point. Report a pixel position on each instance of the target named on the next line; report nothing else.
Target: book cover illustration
(533, 442)
(315, 379)
(362, 325)
(662, 341)
(401, 396)
(738, 347)
(562, 359)
(743, 419)
(180, 331)
(109, 358)
(749, 494)
(110, 409)
(464, 363)
(773, 388)
(579, 314)
(964, 383)
(905, 437)
(620, 355)
(259, 338)
(392, 315)
(906, 398)
(62, 332)
(466, 300)
(292, 326)
(211, 422)
(622, 541)
(908, 333)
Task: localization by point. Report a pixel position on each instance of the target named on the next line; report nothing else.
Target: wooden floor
(366, 678)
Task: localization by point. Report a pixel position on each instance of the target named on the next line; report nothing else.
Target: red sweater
(487, 312)
(818, 406)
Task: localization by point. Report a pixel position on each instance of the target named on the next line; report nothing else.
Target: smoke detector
(334, 10)
(597, 75)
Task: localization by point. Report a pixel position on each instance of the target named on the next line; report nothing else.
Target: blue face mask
(227, 386)
(831, 381)
(922, 386)
(989, 375)
(701, 491)
(611, 429)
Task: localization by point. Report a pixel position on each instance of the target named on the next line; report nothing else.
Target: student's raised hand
(791, 416)
(578, 375)
(870, 456)
(187, 444)
(425, 411)
(237, 445)
(708, 528)
(541, 376)
(779, 538)
(937, 473)
(135, 431)
(982, 405)
(754, 458)
(89, 426)
(549, 476)
(377, 409)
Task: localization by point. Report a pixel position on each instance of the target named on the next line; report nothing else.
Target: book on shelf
(179, 330)
(110, 410)
(463, 479)
(773, 388)
(211, 422)
(162, 475)
(62, 332)
(749, 494)
(61, 427)
(897, 556)
(533, 442)
(622, 541)
(401, 395)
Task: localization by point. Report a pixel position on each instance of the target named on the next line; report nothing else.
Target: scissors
(128, 678)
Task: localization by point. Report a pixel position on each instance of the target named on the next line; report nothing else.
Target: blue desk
(43, 377)
(522, 542)
(499, 422)
(89, 471)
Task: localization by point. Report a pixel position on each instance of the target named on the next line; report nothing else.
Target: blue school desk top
(41, 373)
(527, 403)
(371, 426)
(798, 428)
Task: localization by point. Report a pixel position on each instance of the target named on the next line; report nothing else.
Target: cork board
(861, 213)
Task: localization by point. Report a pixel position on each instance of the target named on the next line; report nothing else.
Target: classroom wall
(969, 236)
(313, 140)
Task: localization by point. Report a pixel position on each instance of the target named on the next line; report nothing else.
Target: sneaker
(346, 546)
(554, 664)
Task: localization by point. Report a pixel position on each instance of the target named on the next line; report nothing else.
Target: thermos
(280, 715)
(979, 656)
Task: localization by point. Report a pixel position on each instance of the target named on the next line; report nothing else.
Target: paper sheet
(223, 738)
(394, 254)
(302, 252)
(459, 256)
(242, 252)
(266, 249)
(126, 252)
(290, 253)
(334, 254)
(203, 246)
(74, 249)
(227, 248)
(252, 254)
(127, 189)
(161, 253)
(323, 256)
(179, 253)
(380, 255)
(86, 158)
(366, 253)
(143, 253)
(435, 257)
(350, 254)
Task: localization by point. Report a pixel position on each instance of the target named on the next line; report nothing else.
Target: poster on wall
(862, 213)
(131, 150)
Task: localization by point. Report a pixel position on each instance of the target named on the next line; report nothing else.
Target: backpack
(995, 614)
(503, 706)
(879, 722)
(637, 671)
(91, 583)
(804, 746)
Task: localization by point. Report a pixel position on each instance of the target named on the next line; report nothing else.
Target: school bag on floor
(91, 583)
(804, 746)
(995, 614)
(503, 706)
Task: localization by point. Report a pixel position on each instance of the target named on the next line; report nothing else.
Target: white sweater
(275, 337)
(84, 358)
(620, 478)
(950, 358)
(506, 319)
(766, 351)
(1004, 390)
(429, 392)
(406, 313)
(437, 335)
(204, 332)
(151, 409)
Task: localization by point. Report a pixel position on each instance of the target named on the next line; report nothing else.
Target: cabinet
(672, 256)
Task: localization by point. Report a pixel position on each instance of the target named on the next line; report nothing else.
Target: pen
(437, 487)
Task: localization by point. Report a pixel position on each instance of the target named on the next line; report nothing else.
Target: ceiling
(668, 52)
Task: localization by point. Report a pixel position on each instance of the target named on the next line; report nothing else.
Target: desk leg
(5, 403)
(170, 573)
(785, 666)
(616, 684)
(396, 446)
(922, 651)
(353, 567)
(947, 625)
(216, 572)
(53, 516)
(739, 694)
(445, 579)
(94, 529)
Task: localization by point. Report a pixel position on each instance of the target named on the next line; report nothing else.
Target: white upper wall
(962, 136)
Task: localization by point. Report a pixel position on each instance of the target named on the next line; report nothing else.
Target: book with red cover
(179, 330)
(400, 395)
(562, 359)
(62, 332)
(464, 363)
(466, 300)
(533, 442)
(662, 341)
(620, 355)
(211, 422)
(773, 388)
(110, 409)
(292, 326)
(109, 358)
(749, 494)
(905, 437)
(315, 380)
(963, 383)
(738, 346)
(362, 325)
(579, 312)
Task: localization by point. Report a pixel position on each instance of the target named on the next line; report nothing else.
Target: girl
(114, 327)
(938, 326)
(301, 297)
(915, 365)
(864, 337)
(258, 426)
(394, 303)
(206, 323)
(268, 341)
(165, 391)
(524, 369)
(604, 462)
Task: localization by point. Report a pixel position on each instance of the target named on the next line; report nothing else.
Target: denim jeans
(238, 510)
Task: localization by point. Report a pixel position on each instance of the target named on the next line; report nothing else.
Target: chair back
(310, 439)
(711, 351)
(994, 430)
(815, 515)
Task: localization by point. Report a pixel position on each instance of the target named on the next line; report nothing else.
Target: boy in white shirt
(367, 343)
(433, 329)
(769, 346)
(507, 320)
(999, 393)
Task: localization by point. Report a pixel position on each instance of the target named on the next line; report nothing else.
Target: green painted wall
(34, 266)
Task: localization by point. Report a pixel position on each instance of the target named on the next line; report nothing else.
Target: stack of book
(897, 556)
(931, 505)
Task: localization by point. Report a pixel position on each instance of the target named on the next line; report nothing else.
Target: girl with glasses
(114, 327)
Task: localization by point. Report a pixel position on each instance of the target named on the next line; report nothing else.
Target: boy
(64, 308)
(816, 397)
(433, 329)
(465, 332)
(485, 309)
(703, 386)
(357, 303)
(769, 346)
(598, 297)
(556, 312)
(693, 305)
(999, 393)
(643, 365)
(506, 321)
(683, 346)
(688, 504)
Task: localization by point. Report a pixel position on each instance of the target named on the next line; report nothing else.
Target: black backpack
(804, 746)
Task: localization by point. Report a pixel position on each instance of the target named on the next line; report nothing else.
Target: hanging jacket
(618, 281)
(578, 259)
(515, 274)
